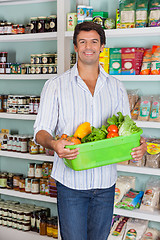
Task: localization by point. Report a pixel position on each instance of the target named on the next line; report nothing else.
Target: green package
(127, 13)
(141, 13)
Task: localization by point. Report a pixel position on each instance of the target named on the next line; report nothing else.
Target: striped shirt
(66, 102)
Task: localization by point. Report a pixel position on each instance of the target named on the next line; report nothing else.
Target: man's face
(88, 47)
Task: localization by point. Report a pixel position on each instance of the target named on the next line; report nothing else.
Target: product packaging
(109, 23)
(150, 200)
(117, 231)
(155, 65)
(145, 106)
(154, 13)
(127, 13)
(141, 13)
(155, 109)
(71, 21)
(100, 17)
(104, 59)
(115, 61)
(146, 63)
(118, 25)
(128, 61)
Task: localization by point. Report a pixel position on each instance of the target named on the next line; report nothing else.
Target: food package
(150, 200)
(155, 109)
(135, 110)
(115, 61)
(133, 97)
(146, 63)
(141, 13)
(109, 23)
(127, 13)
(117, 19)
(137, 163)
(104, 59)
(117, 231)
(135, 229)
(155, 65)
(151, 234)
(131, 200)
(123, 184)
(138, 59)
(145, 106)
(128, 56)
(71, 21)
(154, 13)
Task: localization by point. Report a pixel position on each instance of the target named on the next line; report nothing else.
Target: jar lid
(33, 18)
(42, 17)
(53, 16)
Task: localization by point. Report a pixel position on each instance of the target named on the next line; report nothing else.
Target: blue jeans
(85, 214)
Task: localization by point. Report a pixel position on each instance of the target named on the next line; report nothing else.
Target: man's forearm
(45, 139)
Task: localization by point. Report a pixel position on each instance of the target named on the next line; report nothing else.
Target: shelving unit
(27, 76)
(63, 49)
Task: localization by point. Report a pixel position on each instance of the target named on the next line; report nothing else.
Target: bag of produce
(146, 63)
(155, 65)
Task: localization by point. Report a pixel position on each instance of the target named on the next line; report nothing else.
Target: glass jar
(28, 185)
(28, 28)
(33, 58)
(39, 68)
(21, 29)
(5, 97)
(20, 214)
(31, 170)
(14, 29)
(55, 227)
(3, 180)
(43, 227)
(1, 103)
(34, 24)
(26, 226)
(47, 187)
(33, 148)
(42, 186)
(9, 28)
(27, 215)
(50, 166)
(38, 171)
(10, 181)
(2, 68)
(52, 23)
(36, 104)
(33, 221)
(24, 144)
(22, 184)
(35, 186)
(45, 170)
(31, 105)
(16, 179)
(41, 24)
(49, 227)
(45, 69)
(38, 58)
(3, 57)
(41, 149)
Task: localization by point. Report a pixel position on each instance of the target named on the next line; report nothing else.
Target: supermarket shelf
(27, 76)
(129, 32)
(29, 37)
(147, 124)
(18, 116)
(28, 156)
(137, 213)
(138, 78)
(10, 233)
(15, 2)
(139, 170)
(37, 197)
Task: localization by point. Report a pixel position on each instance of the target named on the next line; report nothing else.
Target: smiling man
(85, 93)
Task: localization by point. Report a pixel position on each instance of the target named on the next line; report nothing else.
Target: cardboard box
(115, 61)
(104, 59)
(71, 21)
(128, 61)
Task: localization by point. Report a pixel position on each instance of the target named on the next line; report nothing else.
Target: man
(85, 93)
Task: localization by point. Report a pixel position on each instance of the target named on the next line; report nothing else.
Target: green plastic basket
(103, 152)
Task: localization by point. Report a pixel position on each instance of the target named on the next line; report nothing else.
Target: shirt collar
(103, 76)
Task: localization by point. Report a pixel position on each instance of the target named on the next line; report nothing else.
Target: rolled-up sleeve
(48, 110)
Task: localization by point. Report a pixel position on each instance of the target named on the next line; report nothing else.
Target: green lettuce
(96, 134)
(128, 127)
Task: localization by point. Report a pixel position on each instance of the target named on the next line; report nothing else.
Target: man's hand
(59, 147)
(138, 152)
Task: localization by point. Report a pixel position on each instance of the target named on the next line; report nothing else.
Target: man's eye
(95, 41)
(81, 42)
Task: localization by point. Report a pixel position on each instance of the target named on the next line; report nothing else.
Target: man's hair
(89, 26)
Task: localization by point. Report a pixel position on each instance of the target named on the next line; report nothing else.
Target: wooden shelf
(138, 78)
(29, 37)
(137, 213)
(36, 197)
(15, 2)
(10, 233)
(140, 170)
(27, 76)
(18, 116)
(28, 156)
(129, 32)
